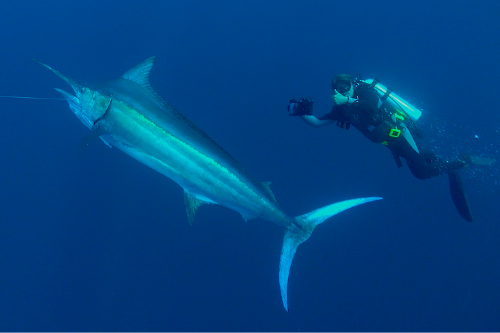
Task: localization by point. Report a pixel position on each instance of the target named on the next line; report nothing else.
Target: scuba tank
(398, 108)
(392, 100)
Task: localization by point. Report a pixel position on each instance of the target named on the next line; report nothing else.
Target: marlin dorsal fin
(140, 73)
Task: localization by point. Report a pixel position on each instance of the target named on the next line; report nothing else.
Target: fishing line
(26, 97)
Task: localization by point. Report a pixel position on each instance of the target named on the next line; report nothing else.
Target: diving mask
(343, 86)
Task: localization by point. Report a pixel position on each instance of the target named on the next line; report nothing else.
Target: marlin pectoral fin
(95, 134)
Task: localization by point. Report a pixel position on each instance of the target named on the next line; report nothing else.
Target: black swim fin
(484, 161)
(459, 196)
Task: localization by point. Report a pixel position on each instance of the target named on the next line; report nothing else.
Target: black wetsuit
(370, 118)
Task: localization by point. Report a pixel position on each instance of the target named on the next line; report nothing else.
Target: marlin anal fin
(192, 203)
(295, 236)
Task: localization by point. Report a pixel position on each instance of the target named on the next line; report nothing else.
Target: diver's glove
(301, 107)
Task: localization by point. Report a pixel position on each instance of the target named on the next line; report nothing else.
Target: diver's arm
(315, 122)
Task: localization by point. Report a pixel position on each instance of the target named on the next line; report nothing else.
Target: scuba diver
(385, 118)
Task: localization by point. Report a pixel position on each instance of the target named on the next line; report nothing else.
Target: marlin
(128, 114)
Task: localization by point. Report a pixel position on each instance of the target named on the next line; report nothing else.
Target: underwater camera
(301, 107)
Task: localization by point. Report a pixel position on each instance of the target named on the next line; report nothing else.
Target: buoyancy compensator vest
(397, 109)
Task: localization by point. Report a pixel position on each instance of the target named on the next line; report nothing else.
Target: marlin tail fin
(296, 236)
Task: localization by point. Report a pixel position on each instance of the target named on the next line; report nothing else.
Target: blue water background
(94, 240)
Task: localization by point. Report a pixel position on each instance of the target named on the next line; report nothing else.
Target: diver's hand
(339, 99)
(343, 124)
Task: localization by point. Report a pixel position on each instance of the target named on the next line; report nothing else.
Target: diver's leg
(428, 165)
(424, 165)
